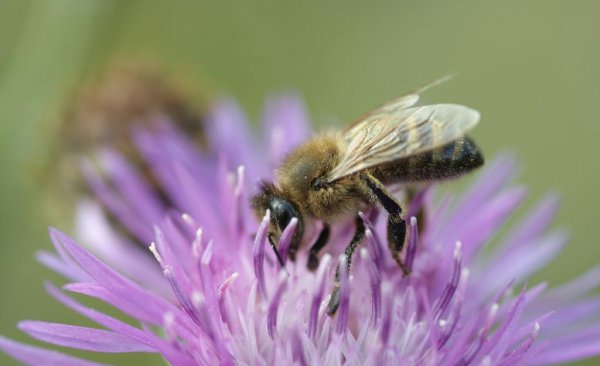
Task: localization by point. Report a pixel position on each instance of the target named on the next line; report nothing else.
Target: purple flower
(214, 293)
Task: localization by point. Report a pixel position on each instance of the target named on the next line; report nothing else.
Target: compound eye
(282, 211)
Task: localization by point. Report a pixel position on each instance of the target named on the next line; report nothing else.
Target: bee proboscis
(341, 173)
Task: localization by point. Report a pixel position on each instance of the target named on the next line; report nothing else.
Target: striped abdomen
(449, 161)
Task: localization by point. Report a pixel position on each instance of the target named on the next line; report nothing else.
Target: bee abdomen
(448, 161)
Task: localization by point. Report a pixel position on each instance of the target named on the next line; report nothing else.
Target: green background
(531, 67)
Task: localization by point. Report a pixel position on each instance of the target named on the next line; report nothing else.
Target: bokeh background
(531, 67)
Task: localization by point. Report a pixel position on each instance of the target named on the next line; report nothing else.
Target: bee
(337, 174)
(103, 112)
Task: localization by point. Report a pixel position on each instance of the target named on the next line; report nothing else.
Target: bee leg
(293, 250)
(313, 259)
(359, 234)
(396, 228)
(272, 242)
(411, 195)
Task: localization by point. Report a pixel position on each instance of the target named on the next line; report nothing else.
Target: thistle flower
(214, 293)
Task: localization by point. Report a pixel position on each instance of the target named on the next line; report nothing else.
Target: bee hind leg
(396, 228)
(359, 234)
(415, 197)
(313, 258)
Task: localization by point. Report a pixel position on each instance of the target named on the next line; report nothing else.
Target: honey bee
(104, 112)
(338, 174)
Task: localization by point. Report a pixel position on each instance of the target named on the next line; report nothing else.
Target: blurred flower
(218, 295)
(102, 113)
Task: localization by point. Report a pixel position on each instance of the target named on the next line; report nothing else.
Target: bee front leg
(274, 246)
(313, 255)
(396, 228)
(359, 234)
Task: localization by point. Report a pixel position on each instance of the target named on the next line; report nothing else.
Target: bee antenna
(425, 87)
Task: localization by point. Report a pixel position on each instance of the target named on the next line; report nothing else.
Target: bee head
(282, 211)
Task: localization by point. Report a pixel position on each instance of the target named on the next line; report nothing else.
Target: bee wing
(399, 103)
(395, 133)
(403, 102)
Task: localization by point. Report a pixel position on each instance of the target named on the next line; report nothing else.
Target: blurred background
(531, 67)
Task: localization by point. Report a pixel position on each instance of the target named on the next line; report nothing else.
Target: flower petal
(89, 339)
(36, 356)
(100, 318)
(286, 123)
(147, 305)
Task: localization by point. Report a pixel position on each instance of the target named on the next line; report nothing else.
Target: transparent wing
(394, 132)
(399, 103)
(403, 102)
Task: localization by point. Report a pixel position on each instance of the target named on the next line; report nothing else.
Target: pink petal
(89, 339)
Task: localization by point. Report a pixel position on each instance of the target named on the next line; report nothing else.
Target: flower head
(214, 293)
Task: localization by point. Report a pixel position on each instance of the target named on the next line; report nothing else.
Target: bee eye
(282, 211)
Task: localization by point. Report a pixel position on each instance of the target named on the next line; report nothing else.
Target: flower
(214, 293)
